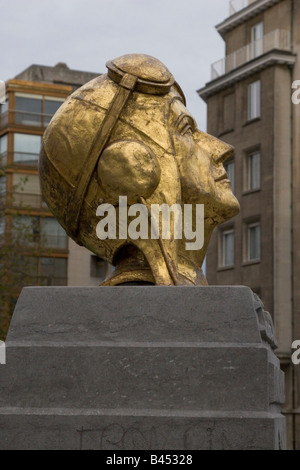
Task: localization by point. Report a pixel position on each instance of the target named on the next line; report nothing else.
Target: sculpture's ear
(128, 168)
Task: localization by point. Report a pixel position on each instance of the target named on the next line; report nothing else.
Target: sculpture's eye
(187, 130)
(185, 125)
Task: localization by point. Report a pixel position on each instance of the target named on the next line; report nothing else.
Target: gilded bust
(129, 134)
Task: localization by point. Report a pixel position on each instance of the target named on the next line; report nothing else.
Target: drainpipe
(294, 401)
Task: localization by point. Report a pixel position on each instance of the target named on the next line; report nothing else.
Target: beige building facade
(249, 105)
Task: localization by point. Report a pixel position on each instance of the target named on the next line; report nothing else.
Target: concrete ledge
(141, 368)
(143, 430)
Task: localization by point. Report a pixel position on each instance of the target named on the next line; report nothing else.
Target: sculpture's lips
(223, 178)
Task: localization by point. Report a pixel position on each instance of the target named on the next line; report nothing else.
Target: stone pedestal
(151, 368)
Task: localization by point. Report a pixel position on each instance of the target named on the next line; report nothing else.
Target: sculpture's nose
(219, 150)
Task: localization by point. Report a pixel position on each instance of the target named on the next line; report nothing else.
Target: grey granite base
(124, 368)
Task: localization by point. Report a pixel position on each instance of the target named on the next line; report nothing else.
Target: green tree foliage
(20, 245)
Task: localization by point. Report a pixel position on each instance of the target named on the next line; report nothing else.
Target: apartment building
(48, 256)
(249, 105)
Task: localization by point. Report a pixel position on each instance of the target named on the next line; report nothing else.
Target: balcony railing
(54, 241)
(21, 238)
(51, 281)
(237, 5)
(19, 159)
(26, 200)
(36, 280)
(3, 120)
(277, 39)
(24, 118)
(3, 159)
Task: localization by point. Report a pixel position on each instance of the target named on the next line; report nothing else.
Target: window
(254, 100)
(34, 231)
(53, 271)
(43, 271)
(51, 105)
(229, 167)
(227, 248)
(3, 114)
(2, 184)
(28, 109)
(253, 242)
(4, 107)
(99, 267)
(26, 191)
(257, 35)
(52, 233)
(3, 144)
(26, 148)
(2, 226)
(3, 149)
(25, 230)
(25, 270)
(35, 110)
(253, 171)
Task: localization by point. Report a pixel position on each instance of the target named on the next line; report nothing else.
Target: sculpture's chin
(227, 208)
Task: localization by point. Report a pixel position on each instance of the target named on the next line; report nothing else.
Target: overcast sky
(87, 33)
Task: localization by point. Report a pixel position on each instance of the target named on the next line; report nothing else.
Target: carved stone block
(177, 368)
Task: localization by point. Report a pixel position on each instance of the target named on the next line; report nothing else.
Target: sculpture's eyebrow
(183, 116)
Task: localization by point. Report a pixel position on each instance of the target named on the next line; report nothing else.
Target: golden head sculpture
(125, 140)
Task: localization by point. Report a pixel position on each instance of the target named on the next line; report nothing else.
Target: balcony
(3, 159)
(19, 159)
(26, 201)
(51, 281)
(237, 5)
(36, 280)
(3, 120)
(23, 238)
(24, 118)
(54, 241)
(278, 39)
(241, 11)
(273, 49)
